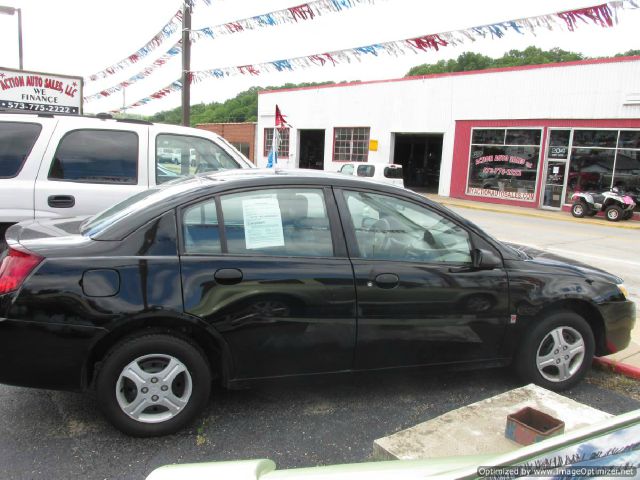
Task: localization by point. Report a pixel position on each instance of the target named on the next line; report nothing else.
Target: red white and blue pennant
(603, 15)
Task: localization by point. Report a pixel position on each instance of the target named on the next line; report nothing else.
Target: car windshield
(139, 201)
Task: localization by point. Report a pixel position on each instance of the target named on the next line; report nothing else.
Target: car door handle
(61, 201)
(387, 280)
(228, 276)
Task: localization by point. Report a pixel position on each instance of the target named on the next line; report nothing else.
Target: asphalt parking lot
(59, 435)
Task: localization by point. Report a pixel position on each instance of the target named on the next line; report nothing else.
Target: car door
(420, 301)
(90, 167)
(268, 269)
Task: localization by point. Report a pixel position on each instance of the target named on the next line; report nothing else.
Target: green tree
(628, 53)
(469, 61)
(241, 108)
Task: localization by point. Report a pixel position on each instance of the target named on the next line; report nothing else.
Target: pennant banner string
(176, 49)
(172, 26)
(604, 15)
(297, 14)
(288, 15)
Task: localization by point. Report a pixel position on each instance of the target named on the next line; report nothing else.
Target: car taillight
(15, 267)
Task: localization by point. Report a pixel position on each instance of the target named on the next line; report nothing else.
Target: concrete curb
(569, 218)
(617, 367)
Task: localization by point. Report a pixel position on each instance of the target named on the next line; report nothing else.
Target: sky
(80, 37)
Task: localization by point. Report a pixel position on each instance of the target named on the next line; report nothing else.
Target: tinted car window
(277, 222)
(200, 228)
(16, 142)
(97, 156)
(388, 228)
(182, 155)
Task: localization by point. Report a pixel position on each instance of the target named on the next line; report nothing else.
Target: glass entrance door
(554, 183)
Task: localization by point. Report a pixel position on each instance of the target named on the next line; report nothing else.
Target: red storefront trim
(462, 143)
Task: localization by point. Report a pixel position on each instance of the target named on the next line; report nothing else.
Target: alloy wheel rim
(577, 209)
(560, 354)
(613, 214)
(154, 388)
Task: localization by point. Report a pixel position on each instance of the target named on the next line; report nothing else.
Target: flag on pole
(281, 124)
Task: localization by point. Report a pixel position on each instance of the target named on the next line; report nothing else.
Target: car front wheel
(557, 352)
(613, 213)
(153, 384)
(578, 210)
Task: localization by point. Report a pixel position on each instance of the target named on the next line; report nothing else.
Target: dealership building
(527, 136)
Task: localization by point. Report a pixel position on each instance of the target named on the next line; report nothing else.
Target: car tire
(153, 384)
(579, 210)
(613, 213)
(556, 353)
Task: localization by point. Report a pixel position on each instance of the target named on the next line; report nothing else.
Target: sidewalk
(626, 362)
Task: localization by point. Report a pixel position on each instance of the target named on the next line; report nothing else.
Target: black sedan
(248, 275)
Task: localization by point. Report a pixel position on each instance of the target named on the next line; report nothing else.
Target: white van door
(86, 170)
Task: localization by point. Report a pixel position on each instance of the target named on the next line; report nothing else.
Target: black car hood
(542, 257)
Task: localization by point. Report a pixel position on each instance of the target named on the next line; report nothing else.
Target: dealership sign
(39, 92)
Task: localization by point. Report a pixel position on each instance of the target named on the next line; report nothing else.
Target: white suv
(381, 172)
(63, 166)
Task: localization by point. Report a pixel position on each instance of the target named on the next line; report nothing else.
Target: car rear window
(135, 204)
(393, 172)
(16, 141)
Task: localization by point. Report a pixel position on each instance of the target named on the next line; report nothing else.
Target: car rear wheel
(557, 352)
(613, 213)
(153, 384)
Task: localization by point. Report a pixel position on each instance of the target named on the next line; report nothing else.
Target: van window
(16, 141)
(97, 156)
(347, 169)
(393, 172)
(366, 170)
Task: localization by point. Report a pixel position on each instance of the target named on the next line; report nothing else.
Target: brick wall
(235, 133)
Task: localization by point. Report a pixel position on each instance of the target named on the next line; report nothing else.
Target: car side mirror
(485, 259)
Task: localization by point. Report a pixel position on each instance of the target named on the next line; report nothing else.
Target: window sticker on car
(262, 223)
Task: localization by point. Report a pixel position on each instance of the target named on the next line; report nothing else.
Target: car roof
(293, 174)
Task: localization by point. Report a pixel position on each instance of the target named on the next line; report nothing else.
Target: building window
(283, 149)
(243, 148)
(603, 159)
(351, 144)
(504, 163)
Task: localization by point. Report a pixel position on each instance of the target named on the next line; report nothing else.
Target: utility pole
(186, 65)
(14, 11)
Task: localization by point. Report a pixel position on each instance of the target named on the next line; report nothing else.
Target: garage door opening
(311, 149)
(420, 155)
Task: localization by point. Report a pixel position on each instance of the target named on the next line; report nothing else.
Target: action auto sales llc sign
(39, 92)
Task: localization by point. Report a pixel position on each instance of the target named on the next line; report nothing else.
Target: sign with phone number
(40, 92)
(38, 107)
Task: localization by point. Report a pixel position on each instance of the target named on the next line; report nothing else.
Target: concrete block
(478, 429)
